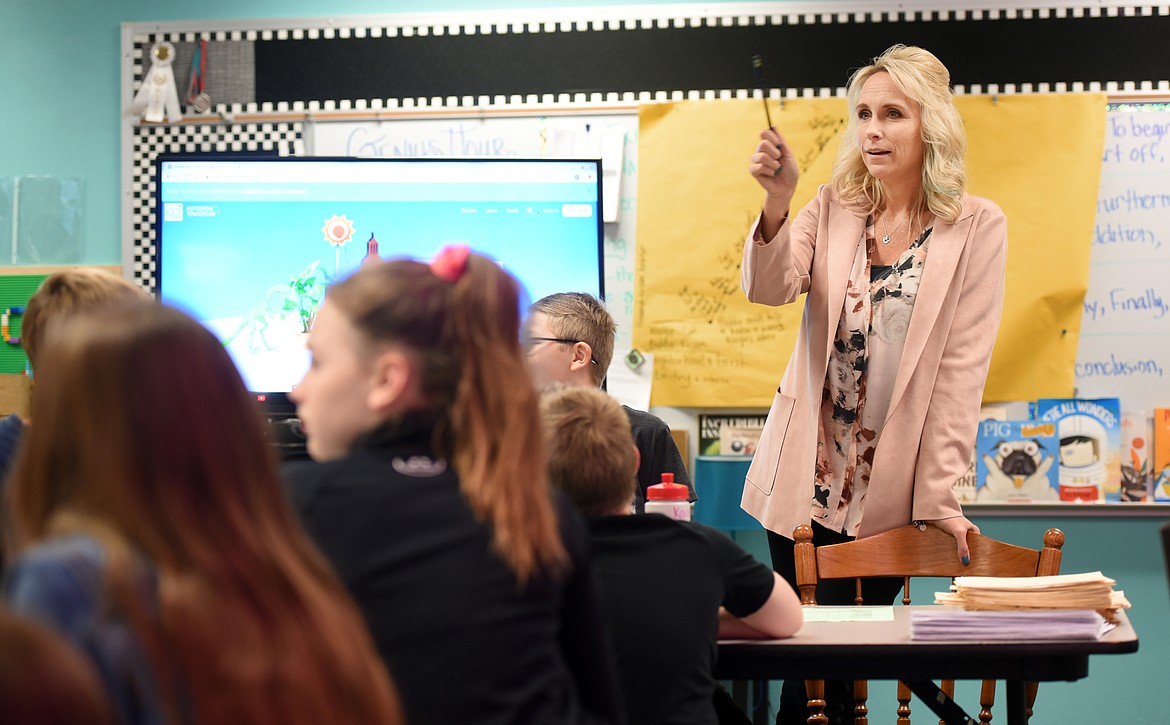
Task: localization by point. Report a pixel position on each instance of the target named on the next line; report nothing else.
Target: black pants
(793, 708)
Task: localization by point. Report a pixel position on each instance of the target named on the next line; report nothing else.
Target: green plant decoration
(301, 295)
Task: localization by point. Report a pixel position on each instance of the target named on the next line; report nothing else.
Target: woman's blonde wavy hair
(923, 78)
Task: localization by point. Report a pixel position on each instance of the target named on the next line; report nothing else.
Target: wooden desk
(884, 651)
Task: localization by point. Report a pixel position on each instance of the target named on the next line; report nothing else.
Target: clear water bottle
(669, 499)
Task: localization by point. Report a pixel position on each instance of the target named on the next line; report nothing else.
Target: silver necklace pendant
(890, 232)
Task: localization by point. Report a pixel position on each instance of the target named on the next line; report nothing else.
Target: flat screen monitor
(248, 246)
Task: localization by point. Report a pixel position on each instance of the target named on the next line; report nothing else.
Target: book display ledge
(719, 483)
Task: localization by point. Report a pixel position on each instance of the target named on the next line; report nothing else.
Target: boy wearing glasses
(569, 338)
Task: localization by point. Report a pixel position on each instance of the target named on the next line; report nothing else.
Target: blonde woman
(876, 415)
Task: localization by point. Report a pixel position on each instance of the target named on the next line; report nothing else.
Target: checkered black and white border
(286, 139)
(630, 18)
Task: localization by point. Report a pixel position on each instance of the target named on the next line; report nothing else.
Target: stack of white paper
(948, 623)
(1066, 591)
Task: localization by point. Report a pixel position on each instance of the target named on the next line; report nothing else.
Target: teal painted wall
(1119, 688)
(61, 94)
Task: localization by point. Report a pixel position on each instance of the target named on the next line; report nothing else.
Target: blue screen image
(249, 247)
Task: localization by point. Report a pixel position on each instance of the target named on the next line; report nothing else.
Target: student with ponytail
(428, 494)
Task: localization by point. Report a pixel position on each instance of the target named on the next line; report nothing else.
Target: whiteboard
(612, 137)
(1124, 348)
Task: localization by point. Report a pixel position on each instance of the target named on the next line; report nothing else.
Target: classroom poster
(1037, 155)
(696, 202)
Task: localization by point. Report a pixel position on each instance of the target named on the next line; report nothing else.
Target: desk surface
(883, 650)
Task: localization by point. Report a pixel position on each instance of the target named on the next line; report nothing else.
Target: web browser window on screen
(249, 247)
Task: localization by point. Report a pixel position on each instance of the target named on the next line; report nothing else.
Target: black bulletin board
(650, 58)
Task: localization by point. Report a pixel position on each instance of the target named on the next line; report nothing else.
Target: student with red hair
(44, 681)
(151, 531)
(430, 497)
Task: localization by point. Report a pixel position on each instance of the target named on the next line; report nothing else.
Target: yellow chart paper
(1038, 156)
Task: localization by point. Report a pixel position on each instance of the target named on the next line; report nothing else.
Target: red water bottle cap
(668, 490)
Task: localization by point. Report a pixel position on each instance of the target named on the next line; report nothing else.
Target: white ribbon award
(158, 96)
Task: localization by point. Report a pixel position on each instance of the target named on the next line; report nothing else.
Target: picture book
(1089, 433)
(1016, 461)
(1137, 438)
(1160, 470)
(729, 435)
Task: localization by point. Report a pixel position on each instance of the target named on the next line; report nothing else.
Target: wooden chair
(909, 552)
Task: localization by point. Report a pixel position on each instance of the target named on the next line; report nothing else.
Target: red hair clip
(451, 262)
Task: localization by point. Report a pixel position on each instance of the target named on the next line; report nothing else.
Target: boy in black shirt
(569, 337)
(665, 645)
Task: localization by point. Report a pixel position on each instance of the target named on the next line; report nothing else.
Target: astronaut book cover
(1089, 438)
(1016, 461)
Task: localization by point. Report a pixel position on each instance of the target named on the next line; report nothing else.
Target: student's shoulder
(650, 537)
(691, 532)
(722, 546)
(641, 420)
(11, 425)
(748, 581)
(76, 550)
(361, 465)
(306, 480)
(711, 536)
(303, 477)
(58, 580)
(11, 432)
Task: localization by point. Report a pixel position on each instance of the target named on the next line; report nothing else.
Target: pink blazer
(929, 432)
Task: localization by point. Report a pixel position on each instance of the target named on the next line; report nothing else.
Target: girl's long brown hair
(466, 335)
(45, 680)
(144, 437)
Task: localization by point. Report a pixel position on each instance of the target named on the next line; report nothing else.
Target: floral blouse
(863, 364)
